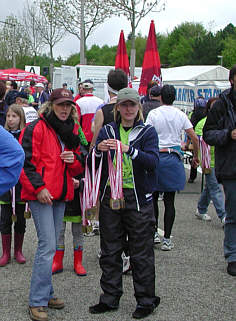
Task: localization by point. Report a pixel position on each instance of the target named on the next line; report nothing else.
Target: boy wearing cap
(154, 102)
(29, 111)
(86, 107)
(40, 96)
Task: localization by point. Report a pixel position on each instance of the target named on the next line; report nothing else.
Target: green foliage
(229, 52)
(188, 44)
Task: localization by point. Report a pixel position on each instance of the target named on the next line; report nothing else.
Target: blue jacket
(144, 152)
(11, 160)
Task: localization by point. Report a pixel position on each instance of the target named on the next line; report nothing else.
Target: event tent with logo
(193, 81)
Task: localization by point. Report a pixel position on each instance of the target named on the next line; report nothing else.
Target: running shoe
(203, 217)
(167, 245)
(157, 239)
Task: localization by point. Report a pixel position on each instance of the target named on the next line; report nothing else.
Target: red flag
(122, 60)
(151, 69)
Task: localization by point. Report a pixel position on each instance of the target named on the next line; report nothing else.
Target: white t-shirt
(169, 123)
(30, 114)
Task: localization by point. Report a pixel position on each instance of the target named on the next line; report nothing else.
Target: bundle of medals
(205, 156)
(89, 197)
(27, 213)
(117, 201)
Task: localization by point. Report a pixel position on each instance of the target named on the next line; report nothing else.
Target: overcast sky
(213, 14)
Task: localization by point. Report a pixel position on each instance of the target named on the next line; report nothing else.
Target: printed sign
(33, 69)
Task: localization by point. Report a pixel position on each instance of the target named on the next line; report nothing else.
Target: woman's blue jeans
(212, 191)
(48, 222)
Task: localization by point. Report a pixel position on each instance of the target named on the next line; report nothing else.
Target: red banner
(122, 59)
(151, 69)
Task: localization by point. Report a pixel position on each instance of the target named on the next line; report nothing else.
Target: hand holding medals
(115, 175)
(108, 144)
(89, 197)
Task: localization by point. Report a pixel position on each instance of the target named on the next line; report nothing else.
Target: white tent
(193, 81)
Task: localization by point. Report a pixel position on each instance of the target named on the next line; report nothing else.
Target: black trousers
(169, 214)
(140, 228)
(6, 221)
(193, 173)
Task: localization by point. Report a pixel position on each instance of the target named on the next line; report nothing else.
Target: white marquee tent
(193, 81)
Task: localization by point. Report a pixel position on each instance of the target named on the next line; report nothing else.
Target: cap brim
(63, 100)
(127, 99)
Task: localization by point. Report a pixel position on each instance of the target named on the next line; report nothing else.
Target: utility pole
(82, 35)
(221, 60)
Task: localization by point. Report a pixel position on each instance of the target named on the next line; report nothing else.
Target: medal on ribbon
(27, 213)
(89, 197)
(14, 217)
(116, 182)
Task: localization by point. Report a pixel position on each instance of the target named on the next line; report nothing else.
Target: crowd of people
(132, 150)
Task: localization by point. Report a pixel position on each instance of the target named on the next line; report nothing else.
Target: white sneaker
(88, 234)
(167, 245)
(161, 197)
(126, 263)
(223, 221)
(99, 253)
(96, 229)
(157, 239)
(204, 217)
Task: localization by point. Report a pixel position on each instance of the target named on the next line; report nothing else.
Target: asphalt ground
(191, 279)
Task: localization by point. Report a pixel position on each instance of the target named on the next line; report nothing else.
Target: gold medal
(89, 228)
(84, 229)
(14, 218)
(115, 204)
(27, 214)
(90, 213)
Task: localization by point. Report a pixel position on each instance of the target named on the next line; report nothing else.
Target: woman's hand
(75, 183)
(233, 134)
(112, 144)
(44, 197)
(68, 157)
(195, 162)
(103, 146)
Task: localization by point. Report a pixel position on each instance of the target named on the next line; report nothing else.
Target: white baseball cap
(39, 85)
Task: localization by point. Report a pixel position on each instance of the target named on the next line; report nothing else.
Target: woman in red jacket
(51, 160)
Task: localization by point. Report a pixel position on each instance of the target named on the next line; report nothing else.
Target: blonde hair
(48, 108)
(22, 101)
(117, 116)
(18, 110)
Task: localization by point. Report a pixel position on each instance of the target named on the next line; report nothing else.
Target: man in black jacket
(154, 102)
(220, 131)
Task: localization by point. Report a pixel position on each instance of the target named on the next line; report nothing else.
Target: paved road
(191, 279)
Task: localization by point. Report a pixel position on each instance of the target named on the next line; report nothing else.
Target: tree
(80, 18)
(47, 23)
(48, 27)
(30, 22)
(183, 35)
(13, 40)
(205, 50)
(140, 44)
(229, 52)
(135, 11)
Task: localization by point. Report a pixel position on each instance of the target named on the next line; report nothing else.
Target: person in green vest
(212, 190)
(73, 215)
